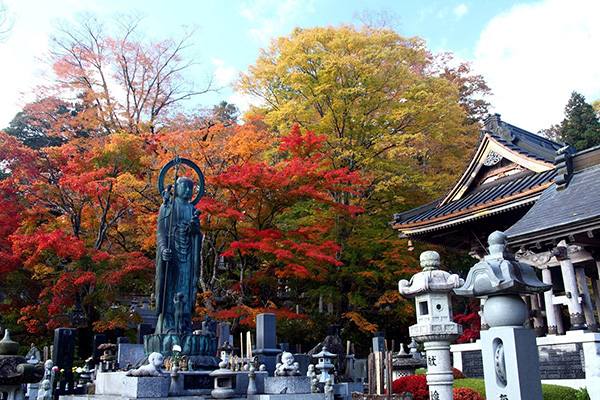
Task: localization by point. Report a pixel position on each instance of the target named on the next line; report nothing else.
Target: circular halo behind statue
(175, 162)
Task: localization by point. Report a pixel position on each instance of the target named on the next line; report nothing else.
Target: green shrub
(556, 392)
(550, 392)
(582, 394)
(477, 385)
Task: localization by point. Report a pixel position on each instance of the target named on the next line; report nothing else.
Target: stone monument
(431, 289)
(510, 354)
(266, 341)
(178, 246)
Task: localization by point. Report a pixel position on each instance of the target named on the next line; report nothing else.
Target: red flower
(416, 384)
(466, 394)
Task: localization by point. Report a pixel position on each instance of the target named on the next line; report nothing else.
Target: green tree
(225, 113)
(46, 122)
(581, 127)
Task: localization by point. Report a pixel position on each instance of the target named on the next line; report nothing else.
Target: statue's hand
(166, 255)
(193, 227)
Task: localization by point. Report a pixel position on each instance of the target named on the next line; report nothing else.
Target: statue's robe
(181, 272)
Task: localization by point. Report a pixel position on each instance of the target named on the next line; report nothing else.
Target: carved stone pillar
(538, 321)
(550, 311)
(560, 327)
(588, 309)
(484, 325)
(571, 291)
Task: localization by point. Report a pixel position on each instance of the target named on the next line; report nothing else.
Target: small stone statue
(179, 302)
(287, 366)
(311, 371)
(314, 387)
(45, 392)
(328, 390)
(34, 356)
(153, 368)
(209, 327)
(49, 371)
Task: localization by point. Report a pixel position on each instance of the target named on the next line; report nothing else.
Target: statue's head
(185, 188)
(156, 359)
(48, 364)
(287, 358)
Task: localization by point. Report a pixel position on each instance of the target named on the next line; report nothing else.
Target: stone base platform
(287, 385)
(299, 396)
(111, 397)
(191, 345)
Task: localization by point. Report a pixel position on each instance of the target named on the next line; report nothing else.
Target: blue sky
(533, 54)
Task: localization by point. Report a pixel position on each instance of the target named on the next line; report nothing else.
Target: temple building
(545, 197)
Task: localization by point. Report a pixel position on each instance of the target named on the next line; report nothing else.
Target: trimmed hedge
(550, 392)
(556, 392)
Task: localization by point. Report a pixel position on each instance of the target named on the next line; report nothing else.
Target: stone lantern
(324, 365)
(509, 351)
(14, 370)
(223, 377)
(435, 328)
(225, 352)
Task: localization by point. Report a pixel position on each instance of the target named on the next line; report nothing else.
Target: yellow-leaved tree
(390, 110)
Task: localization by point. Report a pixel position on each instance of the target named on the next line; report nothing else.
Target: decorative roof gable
(498, 141)
(509, 169)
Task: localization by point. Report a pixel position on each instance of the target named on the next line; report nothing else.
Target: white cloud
(460, 10)
(535, 55)
(272, 17)
(243, 101)
(223, 74)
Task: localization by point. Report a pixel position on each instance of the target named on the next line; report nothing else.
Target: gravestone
(99, 339)
(143, 330)
(122, 340)
(303, 360)
(64, 351)
(266, 341)
(361, 373)
(562, 361)
(472, 364)
(129, 353)
(379, 342)
(223, 333)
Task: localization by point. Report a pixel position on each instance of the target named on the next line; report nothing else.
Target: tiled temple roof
(529, 161)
